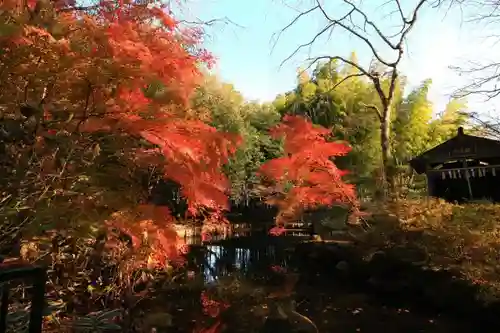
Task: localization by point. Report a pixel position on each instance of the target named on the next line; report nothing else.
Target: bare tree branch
(483, 78)
(344, 79)
(295, 20)
(398, 46)
(401, 13)
(315, 60)
(489, 127)
(224, 20)
(374, 108)
(408, 23)
(367, 22)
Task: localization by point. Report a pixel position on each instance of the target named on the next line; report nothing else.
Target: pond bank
(395, 283)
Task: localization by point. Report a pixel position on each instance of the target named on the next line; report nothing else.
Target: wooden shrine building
(463, 168)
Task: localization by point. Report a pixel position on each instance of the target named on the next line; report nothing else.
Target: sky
(249, 56)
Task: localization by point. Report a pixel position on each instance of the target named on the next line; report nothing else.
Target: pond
(245, 281)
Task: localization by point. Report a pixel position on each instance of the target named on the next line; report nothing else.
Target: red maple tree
(122, 66)
(306, 177)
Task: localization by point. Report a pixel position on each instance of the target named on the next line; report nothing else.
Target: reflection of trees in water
(253, 286)
(220, 261)
(192, 235)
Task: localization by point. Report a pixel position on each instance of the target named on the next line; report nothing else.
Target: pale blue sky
(245, 56)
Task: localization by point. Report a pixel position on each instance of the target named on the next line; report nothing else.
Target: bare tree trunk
(385, 133)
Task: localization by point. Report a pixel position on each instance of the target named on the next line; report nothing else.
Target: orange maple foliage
(121, 66)
(151, 225)
(312, 178)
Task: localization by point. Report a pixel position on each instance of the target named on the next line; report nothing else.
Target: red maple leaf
(308, 170)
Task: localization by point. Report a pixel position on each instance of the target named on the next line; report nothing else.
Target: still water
(221, 260)
(333, 308)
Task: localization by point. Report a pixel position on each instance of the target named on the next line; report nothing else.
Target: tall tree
(357, 23)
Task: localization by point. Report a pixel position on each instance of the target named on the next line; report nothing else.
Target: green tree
(340, 108)
(229, 112)
(411, 126)
(446, 125)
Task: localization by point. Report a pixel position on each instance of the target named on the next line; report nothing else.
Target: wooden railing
(491, 168)
(37, 276)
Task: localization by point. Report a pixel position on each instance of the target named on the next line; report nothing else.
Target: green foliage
(229, 112)
(412, 135)
(445, 126)
(336, 97)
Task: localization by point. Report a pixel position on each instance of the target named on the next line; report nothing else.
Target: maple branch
(90, 91)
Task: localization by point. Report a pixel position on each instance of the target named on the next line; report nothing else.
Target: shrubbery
(461, 238)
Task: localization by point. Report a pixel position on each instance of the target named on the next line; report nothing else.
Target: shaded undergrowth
(422, 266)
(431, 256)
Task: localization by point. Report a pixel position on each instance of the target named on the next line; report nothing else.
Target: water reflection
(242, 256)
(192, 235)
(213, 255)
(220, 261)
(253, 260)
